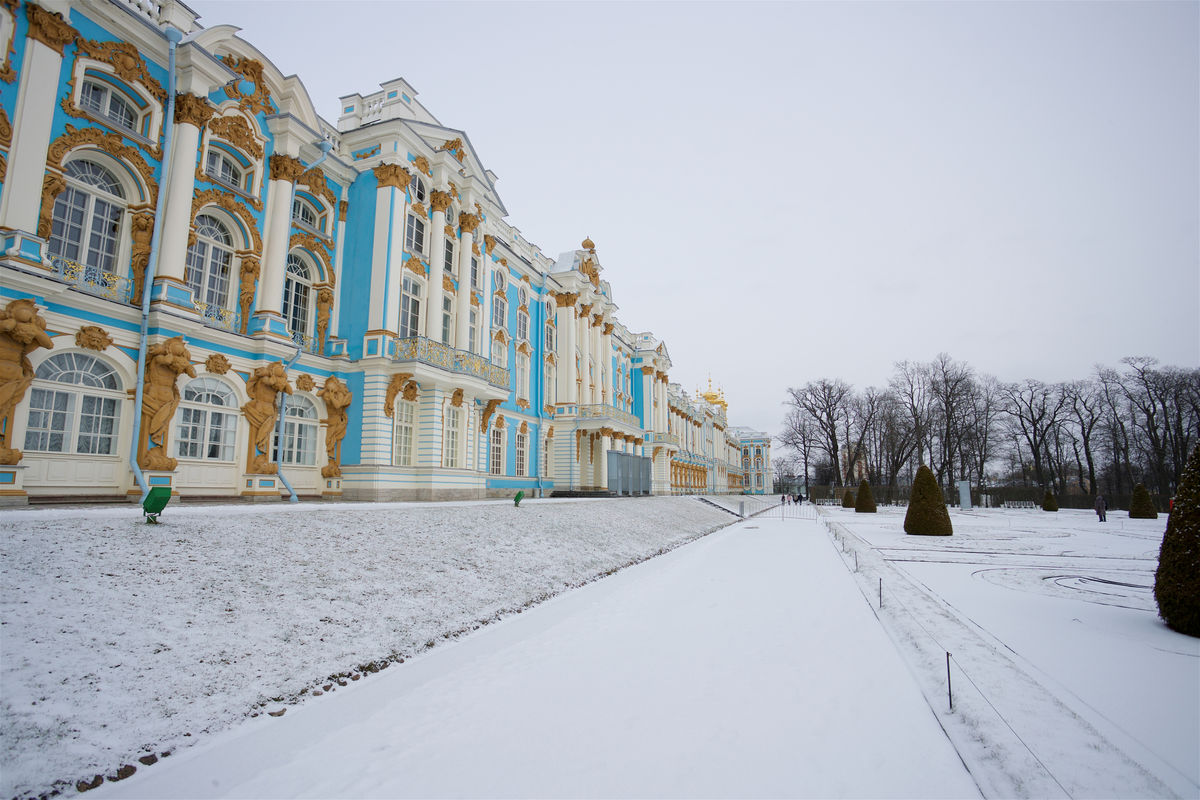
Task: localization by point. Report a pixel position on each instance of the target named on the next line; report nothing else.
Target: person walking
(1101, 508)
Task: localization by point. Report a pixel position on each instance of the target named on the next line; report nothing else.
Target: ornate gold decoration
(110, 143)
(5, 129)
(52, 186)
(475, 248)
(456, 399)
(499, 423)
(264, 386)
(524, 348)
(324, 306)
(488, 410)
(343, 207)
(439, 201)
(608, 328)
(453, 190)
(22, 330)
(314, 179)
(500, 336)
(422, 163)
(285, 168)
(230, 203)
(7, 73)
(337, 397)
(247, 281)
(260, 99)
(589, 245)
(489, 242)
(49, 28)
(468, 223)
(417, 266)
(305, 382)
(392, 175)
(503, 262)
(585, 310)
(419, 210)
(193, 110)
(448, 285)
(93, 337)
(449, 231)
(524, 427)
(475, 299)
(165, 362)
(565, 299)
(361, 154)
(522, 404)
(647, 370)
(400, 381)
(456, 146)
(217, 364)
(237, 131)
(142, 230)
(319, 248)
(3, 169)
(550, 431)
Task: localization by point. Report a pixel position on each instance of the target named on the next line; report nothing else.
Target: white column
(48, 34)
(462, 335)
(567, 329)
(191, 112)
(607, 354)
(485, 276)
(583, 343)
(598, 358)
(338, 249)
(269, 304)
(649, 394)
(438, 202)
(602, 461)
(387, 254)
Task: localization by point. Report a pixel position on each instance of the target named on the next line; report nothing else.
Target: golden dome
(588, 244)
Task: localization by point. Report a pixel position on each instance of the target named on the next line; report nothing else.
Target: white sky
(789, 191)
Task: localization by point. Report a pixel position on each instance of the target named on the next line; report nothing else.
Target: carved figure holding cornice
(324, 305)
(22, 330)
(337, 399)
(248, 279)
(52, 186)
(142, 230)
(264, 386)
(165, 362)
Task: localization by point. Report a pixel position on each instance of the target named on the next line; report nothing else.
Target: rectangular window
(450, 437)
(414, 234)
(522, 443)
(447, 317)
(448, 262)
(472, 331)
(522, 325)
(523, 376)
(496, 465)
(499, 311)
(402, 449)
(50, 414)
(474, 272)
(206, 434)
(410, 308)
(97, 426)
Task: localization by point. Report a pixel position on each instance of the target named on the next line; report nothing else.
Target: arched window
(501, 282)
(297, 286)
(223, 167)
(207, 420)
(87, 216)
(306, 214)
(210, 263)
(499, 303)
(74, 406)
(405, 420)
(110, 105)
(410, 307)
(300, 432)
(416, 190)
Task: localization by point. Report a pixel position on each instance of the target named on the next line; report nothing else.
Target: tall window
(402, 443)
(74, 406)
(521, 444)
(546, 457)
(210, 262)
(522, 376)
(472, 330)
(410, 308)
(87, 216)
(550, 383)
(299, 432)
(499, 311)
(448, 260)
(110, 105)
(499, 352)
(207, 420)
(447, 317)
(223, 168)
(523, 325)
(496, 462)
(414, 234)
(474, 272)
(450, 437)
(549, 337)
(297, 287)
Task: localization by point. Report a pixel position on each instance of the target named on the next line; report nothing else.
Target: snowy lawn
(121, 640)
(1066, 681)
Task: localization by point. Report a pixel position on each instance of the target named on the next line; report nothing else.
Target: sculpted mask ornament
(22, 330)
(456, 399)
(165, 362)
(217, 364)
(337, 398)
(93, 337)
(305, 383)
(264, 385)
(489, 242)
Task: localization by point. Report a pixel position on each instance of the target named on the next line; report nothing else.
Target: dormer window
(305, 214)
(110, 105)
(222, 167)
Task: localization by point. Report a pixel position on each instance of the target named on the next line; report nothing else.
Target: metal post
(949, 693)
(881, 593)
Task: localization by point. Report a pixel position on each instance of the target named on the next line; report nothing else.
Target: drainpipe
(174, 37)
(541, 406)
(292, 496)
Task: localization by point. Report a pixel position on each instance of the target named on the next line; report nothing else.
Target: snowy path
(744, 664)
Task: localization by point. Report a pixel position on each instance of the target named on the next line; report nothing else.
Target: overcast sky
(789, 191)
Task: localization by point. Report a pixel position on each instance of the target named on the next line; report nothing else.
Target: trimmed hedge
(864, 503)
(1049, 503)
(927, 514)
(1141, 505)
(1177, 579)
(848, 499)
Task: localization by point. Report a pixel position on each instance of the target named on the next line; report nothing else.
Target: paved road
(746, 664)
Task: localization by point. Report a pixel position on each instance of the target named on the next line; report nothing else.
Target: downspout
(292, 496)
(541, 406)
(174, 37)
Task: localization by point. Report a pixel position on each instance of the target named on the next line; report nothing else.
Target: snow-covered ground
(121, 640)
(743, 665)
(1061, 670)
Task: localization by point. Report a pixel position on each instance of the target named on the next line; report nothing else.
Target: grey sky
(788, 191)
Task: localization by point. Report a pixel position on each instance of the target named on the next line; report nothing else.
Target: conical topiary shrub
(1177, 580)
(927, 514)
(848, 499)
(1049, 502)
(1141, 505)
(864, 503)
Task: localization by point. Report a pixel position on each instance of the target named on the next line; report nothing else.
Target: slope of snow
(120, 639)
(743, 665)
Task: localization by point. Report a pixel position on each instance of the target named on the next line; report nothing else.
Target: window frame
(496, 451)
(412, 292)
(82, 206)
(201, 413)
(78, 378)
(404, 416)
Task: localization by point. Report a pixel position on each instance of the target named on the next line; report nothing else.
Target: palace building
(204, 285)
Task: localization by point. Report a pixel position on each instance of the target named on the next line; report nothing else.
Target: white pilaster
(438, 202)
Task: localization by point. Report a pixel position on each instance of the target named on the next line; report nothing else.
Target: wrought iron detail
(609, 412)
(427, 351)
(216, 316)
(92, 280)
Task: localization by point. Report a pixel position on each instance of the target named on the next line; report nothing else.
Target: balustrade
(93, 280)
(427, 351)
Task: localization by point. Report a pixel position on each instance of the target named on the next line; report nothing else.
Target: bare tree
(1034, 408)
(910, 382)
(950, 386)
(825, 401)
(982, 412)
(1085, 404)
(800, 434)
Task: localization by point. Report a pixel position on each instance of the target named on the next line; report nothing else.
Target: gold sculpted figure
(22, 330)
(165, 362)
(337, 398)
(324, 303)
(248, 278)
(264, 385)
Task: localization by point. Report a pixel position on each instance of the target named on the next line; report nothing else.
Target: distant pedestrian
(1101, 508)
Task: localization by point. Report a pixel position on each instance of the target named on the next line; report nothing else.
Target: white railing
(92, 280)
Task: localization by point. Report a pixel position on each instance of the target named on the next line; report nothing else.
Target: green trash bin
(155, 502)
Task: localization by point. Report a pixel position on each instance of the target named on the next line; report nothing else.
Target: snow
(742, 665)
(120, 639)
